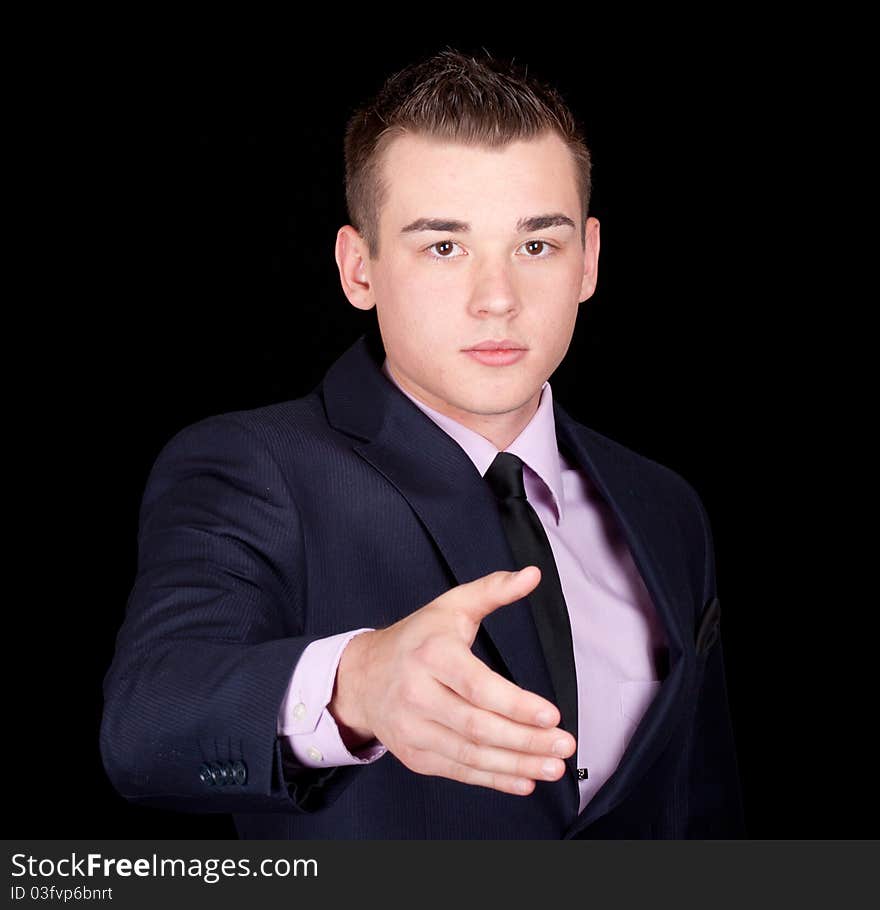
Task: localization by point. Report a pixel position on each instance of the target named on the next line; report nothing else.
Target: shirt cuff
(304, 720)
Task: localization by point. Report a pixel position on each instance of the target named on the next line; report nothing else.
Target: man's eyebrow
(532, 223)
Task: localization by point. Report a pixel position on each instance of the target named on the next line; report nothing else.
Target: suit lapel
(445, 490)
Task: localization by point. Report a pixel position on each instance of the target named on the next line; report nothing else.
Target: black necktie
(530, 547)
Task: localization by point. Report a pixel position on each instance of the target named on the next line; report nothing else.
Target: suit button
(205, 775)
(216, 772)
(225, 772)
(239, 772)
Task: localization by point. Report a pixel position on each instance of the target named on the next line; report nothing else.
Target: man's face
(440, 289)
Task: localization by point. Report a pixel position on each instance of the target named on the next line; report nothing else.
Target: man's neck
(500, 429)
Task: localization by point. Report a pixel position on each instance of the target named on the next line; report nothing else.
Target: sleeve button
(239, 772)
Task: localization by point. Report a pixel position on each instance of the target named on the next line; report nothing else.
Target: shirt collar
(535, 445)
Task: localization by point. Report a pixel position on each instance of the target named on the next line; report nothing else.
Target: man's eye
(547, 247)
(443, 248)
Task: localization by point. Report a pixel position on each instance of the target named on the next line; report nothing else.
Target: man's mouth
(505, 344)
(496, 357)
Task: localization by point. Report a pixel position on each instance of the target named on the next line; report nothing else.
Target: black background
(188, 270)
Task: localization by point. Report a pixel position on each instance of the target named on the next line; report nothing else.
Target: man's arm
(212, 632)
(715, 807)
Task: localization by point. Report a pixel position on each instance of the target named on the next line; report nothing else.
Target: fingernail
(550, 768)
(545, 718)
(560, 747)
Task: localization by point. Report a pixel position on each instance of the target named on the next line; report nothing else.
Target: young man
(327, 636)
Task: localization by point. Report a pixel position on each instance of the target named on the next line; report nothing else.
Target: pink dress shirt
(619, 643)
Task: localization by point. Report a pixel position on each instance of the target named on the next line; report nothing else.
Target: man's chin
(489, 406)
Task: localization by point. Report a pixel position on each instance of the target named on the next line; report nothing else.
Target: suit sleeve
(715, 805)
(212, 632)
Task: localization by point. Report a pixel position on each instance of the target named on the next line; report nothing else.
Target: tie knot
(505, 476)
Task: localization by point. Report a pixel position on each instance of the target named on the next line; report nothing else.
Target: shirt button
(314, 754)
(299, 711)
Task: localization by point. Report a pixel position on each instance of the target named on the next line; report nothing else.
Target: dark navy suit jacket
(263, 530)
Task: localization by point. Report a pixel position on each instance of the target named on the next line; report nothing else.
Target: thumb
(484, 595)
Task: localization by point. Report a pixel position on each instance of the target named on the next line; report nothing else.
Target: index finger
(475, 682)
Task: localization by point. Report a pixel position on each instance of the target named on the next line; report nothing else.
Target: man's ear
(591, 259)
(351, 259)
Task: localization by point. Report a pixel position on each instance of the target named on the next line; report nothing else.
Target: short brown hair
(452, 96)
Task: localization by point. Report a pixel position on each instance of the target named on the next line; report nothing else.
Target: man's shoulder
(278, 424)
(647, 478)
(251, 440)
(282, 421)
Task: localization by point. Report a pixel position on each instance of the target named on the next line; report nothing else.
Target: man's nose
(494, 290)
